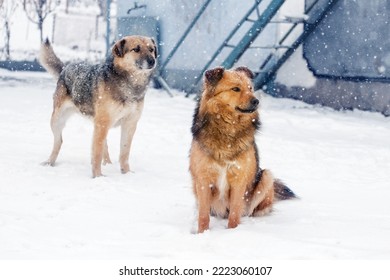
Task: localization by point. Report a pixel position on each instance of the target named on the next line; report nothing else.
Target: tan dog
(224, 161)
(111, 94)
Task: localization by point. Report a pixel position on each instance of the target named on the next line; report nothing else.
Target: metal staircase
(315, 13)
(279, 53)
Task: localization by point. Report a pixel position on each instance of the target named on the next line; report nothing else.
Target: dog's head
(230, 91)
(135, 53)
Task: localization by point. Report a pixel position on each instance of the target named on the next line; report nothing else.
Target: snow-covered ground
(337, 162)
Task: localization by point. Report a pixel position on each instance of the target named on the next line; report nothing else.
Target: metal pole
(281, 41)
(164, 84)
(108, 21)
(252, 34)
(180, 41)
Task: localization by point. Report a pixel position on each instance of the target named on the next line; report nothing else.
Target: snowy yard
(337, 162)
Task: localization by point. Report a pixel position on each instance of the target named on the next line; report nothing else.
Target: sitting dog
(224, 160)
(111, 94)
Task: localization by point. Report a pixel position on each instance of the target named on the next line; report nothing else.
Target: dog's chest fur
(223, 141)
(120, 112)
(223, 183)
(128, 87)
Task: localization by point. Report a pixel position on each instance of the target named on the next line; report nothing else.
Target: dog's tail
(282, 192)
(49, 60)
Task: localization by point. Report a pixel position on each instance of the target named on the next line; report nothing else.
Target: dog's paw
(125, 171)
(47, 163)
(125, 168)
(97, 175)
(107, 161)
(232, 224)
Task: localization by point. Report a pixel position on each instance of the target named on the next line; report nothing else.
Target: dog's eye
(151, 49)
(236, 89)
(136, 49)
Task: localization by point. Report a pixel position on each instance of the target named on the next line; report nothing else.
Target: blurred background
(330, 52)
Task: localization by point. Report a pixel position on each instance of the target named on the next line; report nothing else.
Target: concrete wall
(348, 57)
(352, 42)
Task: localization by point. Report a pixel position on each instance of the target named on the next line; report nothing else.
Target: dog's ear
(119, 48)
(155, 47)
(246, 71)
(213, 76)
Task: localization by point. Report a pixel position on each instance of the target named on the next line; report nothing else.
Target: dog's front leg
(236, 207)
(203, 192)
(238, 182)
(127, 133)
(106, 155)
(102, 125)
(129, 125)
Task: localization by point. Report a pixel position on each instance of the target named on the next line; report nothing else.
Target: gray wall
(349, 55)
(352, 42)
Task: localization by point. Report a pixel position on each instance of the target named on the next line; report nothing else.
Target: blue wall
(352, 42)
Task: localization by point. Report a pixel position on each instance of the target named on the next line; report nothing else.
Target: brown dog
(111, 94)
(224, 162)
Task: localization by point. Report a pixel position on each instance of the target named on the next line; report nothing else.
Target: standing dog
(111, 94)
(224, 161)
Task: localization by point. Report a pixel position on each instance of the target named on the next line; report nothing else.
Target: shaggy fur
(224, 160)
(111, 94)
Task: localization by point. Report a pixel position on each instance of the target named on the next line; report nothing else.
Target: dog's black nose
(151, 61)
(255, 102)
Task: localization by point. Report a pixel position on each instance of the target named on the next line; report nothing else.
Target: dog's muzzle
(253, 104)
(146, 63)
